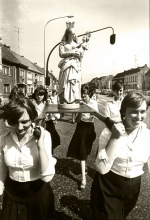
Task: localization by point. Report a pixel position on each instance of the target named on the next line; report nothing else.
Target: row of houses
(16, 70)
(136, 78)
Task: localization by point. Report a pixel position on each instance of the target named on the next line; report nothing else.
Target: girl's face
(118, 93)
(54, 94)
(39, 97)
(134, 117)
(85, 97)
(24, 123)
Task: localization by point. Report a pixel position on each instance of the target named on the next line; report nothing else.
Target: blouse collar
(28, 135)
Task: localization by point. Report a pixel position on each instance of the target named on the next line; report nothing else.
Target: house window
(22, 73)
(7, 88)
(29, 75)
(38, 78)
(6, 70)
(15, 75)
(136, 79)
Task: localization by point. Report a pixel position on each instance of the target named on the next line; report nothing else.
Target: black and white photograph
(74, 110)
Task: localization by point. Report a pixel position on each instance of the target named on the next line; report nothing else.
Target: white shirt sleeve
(47, 175)
(107, 110)
(96, 106)
(148, 163)
(103, 164)
(3, 167)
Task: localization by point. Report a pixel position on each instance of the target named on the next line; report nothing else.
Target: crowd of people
(27, 164)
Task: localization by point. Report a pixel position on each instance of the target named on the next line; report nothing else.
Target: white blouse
(87, 117)
(131, 153)
(22, 158)
(112, 109)
(39, 108)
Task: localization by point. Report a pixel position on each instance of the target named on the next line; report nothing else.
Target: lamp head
(112, 39)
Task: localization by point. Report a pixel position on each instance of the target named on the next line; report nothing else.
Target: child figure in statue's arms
(84, 45)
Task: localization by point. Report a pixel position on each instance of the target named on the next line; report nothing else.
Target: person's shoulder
(6, 132)
(93, 101)
(109, 103)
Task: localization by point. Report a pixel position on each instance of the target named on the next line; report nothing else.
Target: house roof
(148, 73)
(127, 72)
(7, 55)
(39, 68)
(26, 62)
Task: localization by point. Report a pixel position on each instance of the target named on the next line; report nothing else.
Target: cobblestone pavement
(71, 203)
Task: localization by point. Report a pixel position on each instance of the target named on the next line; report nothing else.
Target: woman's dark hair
(40, 90)
(131, 100)
(117, 86)
(16, 93)
(92, 92)
(13, 110)
(54, 91)
(86, 90)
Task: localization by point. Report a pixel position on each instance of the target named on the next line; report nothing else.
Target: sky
(129, 20)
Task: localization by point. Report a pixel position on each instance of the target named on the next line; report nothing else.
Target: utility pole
(18, 31)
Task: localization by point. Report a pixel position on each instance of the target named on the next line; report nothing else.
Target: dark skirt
(32, 200)
(82, 140)
(54, 134)
(113, 196)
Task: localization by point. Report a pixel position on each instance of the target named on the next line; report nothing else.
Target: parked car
(104, 91)
(107, 91)
(98, 91)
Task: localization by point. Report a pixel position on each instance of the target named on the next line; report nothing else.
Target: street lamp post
(70, 16)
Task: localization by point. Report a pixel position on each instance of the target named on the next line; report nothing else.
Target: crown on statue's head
(70, 24)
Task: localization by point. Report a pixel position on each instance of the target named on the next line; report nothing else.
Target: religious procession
(30, 138)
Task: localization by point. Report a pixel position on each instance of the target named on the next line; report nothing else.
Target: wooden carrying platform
(53, 108)
(83, 108)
